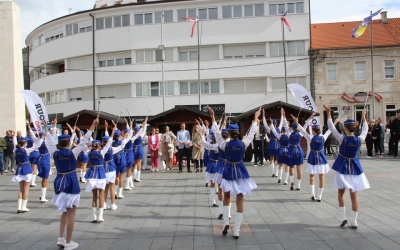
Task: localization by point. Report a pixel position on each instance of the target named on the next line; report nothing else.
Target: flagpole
(162, 59)
(372, 71)
(284, 59)
(198, 61)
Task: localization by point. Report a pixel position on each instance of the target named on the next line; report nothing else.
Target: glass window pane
(148, 18)
(75, 28)
(102, 63)
(146, 89)
(331, 66)
(168, 16)
(117, 21)
(360, 75)
(273, 49)
(291, 46)
(389, 73)
(155, 89)
(389, 63)
(128, 60)
(212, 13)
(192, 55)
(169, 53)
(158, 55)
(272, 9)
(181, 13)
(138, 89)
(203, 14)
(183, 56)
(248, 10)
(215, 87)
(69, 29)
(301, 50)
(183, 88)
(119, 62)
(360, 65)
(290, 7)
(194, 88)
(237, 11)
(126, 20)
(88, 28)
(138, 19)
(281, 9)
(81, 30)
(226, 11)
(192, 13)
(140, 56)
(110, 62)
(157, 17)
(205, 87)
(300, 7)
(149, 56)
(170, 88)
(259, 9)
(99, 23)
(108, 22)
(332, 76)
(280, 45)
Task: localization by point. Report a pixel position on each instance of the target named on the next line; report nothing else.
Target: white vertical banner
(36, 108)
(304, 99)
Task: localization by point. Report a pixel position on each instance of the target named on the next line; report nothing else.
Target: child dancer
(212, 164)
(317, 162)
(138, 151)
(23, 173)
(235, 179)
(128, 156)
(82, 160)
(273, 146)
(96, 176)
(349, 173)
(33, 157)
(66, 184)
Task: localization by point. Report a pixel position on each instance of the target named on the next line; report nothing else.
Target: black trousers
(377, 145)
(196, 164)
(370, 144)
(184, 152)
(395, 144)
(258, 151)
(327, 146)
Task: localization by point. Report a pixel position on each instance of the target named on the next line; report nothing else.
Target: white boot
(212, 196)
(225, 212)
(135, 174)
(83, 177)
(127, 183)
(106, 207)
(298, 184)
(280, 173)
(131, 182)
(238, 222)
(319, 196)
(353, 222)
(312, 191)
(19, 210)
(94, 219)
(33, 184)
(291, 179)
(138, 177)
(101, 210)
(342, 213)
(220, 209)
(272, 169)
(229, 212)
(43, 197)
(120, 196)
(285, 178)
(276, 170)
(24, 209)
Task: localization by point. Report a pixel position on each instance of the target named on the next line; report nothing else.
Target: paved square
(168, 210)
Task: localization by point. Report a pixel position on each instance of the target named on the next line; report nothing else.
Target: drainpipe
(94, 72)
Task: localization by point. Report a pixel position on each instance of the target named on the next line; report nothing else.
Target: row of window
(390, 111)
(209, 13)
(360, 73)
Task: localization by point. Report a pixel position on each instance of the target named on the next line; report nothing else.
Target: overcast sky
(36, 12)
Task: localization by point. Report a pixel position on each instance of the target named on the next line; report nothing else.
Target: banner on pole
(36, 108)
(304, 99)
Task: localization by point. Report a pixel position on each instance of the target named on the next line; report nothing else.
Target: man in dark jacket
(395, 135)
(3, 145)
(9, 156)
(259, 144)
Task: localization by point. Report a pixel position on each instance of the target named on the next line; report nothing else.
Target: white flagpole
(372, 71)
(284, 58)
(198, 61)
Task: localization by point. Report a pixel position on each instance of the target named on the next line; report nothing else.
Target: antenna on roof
(70, 10)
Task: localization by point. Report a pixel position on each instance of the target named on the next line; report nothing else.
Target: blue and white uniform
(137, 143)
(349, 172)
(295, 151)
(66, 183)
(283, 158)
(273, 146)
(213, 160)
(24, 169)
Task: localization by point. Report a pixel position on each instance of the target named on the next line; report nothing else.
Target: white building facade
(241, 56)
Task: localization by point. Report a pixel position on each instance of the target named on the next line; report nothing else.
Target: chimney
(384, 18)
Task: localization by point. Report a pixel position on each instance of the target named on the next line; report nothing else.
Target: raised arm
(249, 137)
(265, 122)
(123, 143)
(331, 126)
(273, 130)
(82, 144)
(364, 129)
(35, 145)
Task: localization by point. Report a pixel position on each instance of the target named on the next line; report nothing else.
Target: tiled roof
(338, 35)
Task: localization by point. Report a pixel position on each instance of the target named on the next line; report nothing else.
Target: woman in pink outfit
(154, 146)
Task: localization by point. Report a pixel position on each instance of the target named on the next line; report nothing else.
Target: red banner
(347, 98)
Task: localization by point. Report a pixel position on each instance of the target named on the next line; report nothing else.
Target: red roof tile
(338, 35)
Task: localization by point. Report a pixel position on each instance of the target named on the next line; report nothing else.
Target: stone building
(342, 71)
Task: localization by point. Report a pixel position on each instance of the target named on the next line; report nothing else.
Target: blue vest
(347, 162)
(129, 149)
(24, 166)
(29, 142)
(66, 180)
(295, 138)
(64, 160)
(214, 156)
(274, 143)
(95, 158)
(350, 147)
(222, 154)
(119, 158)
(234, 151)
(109, 161)
(317, 143)
(284, 144)
(82, 157)
(44, 158)
(138, 141)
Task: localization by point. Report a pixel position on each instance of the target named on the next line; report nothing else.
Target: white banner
(305, 100)
(36, 108)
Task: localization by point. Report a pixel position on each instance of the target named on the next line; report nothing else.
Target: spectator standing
(327, 144)
(168, 147)
(145, 143)
(3, 146)
(9, 156)
(183, 138)
(258, 142)
(395, 135)
(198, 149)
(387, 136)
(154, 145)
(369, 141)
(376, 137)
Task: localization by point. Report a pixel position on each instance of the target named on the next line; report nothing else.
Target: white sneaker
(61, 242)
(43, 200)
(128, 188)
(138, 180)
(84, 180)
(255, 165)
(71, 245)
(114, 207)
(12, 170)
(106, 207)
(6, 171)
(120, 196)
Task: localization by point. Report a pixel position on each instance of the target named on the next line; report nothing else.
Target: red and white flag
(194, 21)
(283, 19)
